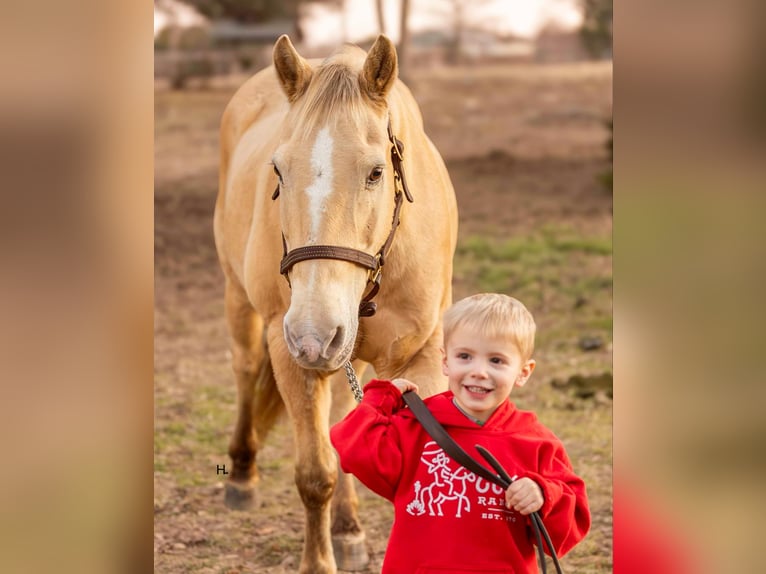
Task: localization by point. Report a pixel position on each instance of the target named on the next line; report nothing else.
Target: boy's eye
(496, 360)
(463, 356)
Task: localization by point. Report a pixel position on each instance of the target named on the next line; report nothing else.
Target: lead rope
(353, 382)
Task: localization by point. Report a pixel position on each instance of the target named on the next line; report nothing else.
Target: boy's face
(482, 371)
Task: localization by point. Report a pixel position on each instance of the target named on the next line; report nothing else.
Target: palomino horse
(312, 186)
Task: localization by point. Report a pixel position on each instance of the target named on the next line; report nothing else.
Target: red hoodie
(446, 519)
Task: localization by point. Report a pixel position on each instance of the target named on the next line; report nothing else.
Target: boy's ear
(445, 371)
(525, 373)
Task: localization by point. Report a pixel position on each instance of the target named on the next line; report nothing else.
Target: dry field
(525, 147)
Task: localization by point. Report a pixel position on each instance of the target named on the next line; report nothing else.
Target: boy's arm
(565, 510)
(367, 442)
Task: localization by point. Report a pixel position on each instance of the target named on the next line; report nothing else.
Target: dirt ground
(525, 147)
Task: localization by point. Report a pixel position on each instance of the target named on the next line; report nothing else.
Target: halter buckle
(373, 275)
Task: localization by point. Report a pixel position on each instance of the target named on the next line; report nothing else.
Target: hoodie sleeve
(565, 510)
(367, 442)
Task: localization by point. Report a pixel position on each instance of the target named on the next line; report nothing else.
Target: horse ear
(293, 71)
(380, 69)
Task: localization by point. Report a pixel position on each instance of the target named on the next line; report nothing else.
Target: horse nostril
(335, 340)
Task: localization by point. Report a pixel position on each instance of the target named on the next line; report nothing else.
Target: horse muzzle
(316, 348)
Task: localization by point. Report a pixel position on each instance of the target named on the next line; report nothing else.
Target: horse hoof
(239, 497)
(350, 552)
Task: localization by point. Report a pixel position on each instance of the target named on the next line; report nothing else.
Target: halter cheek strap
(373, 263)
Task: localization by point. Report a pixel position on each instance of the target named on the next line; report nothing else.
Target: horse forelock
(335, 93)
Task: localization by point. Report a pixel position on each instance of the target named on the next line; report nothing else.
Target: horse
(314, 219)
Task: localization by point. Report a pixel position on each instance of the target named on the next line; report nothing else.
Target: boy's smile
(482, 371)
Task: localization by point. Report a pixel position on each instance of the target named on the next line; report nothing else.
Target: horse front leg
(306, 395)
(248, 354)
(348, 539)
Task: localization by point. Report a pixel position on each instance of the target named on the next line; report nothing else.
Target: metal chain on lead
(353, 382)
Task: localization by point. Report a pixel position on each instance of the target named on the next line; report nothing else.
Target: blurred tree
(596, 31)
(606, 178)
(455, 47)
(379, 15)
(403, 49)
(596, 34)
(461, 11)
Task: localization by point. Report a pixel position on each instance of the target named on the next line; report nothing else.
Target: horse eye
(276, 171)
(375, 175)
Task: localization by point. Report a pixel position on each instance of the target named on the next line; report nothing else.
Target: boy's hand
(524, 495)
(404, 385)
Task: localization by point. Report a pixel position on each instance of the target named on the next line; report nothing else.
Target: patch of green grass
(175, 429)
(473, 244)
(589, 245)
(587, 288)
(273, 464)
(168, 437)
(602, 323)
(493, 278)
(554, 259)
(544, 248)
(204, 429)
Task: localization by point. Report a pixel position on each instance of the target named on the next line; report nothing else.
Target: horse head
(336, 189)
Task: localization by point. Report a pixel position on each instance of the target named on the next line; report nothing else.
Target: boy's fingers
(520, 500)
(526, 505)
(522, 494)
(404, 384)
(528, 509)
(517, 487)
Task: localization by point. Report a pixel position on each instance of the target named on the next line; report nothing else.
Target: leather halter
(373, 263)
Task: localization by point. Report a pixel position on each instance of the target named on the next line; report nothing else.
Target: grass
(187, 446)
(562, 274)
(550, 242)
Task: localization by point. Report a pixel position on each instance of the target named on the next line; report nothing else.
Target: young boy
(446, 519)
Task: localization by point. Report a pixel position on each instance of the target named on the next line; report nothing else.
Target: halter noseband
(373, 263)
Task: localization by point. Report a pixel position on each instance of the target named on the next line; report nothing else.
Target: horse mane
(334, 91)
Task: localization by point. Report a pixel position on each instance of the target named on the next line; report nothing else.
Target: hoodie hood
(446, 412)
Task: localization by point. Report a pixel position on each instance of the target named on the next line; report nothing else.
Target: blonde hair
(494, 315)
(334, 91)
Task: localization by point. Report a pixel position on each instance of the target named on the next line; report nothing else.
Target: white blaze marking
(319, 190)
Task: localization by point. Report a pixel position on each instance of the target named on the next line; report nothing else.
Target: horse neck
(406, 119)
